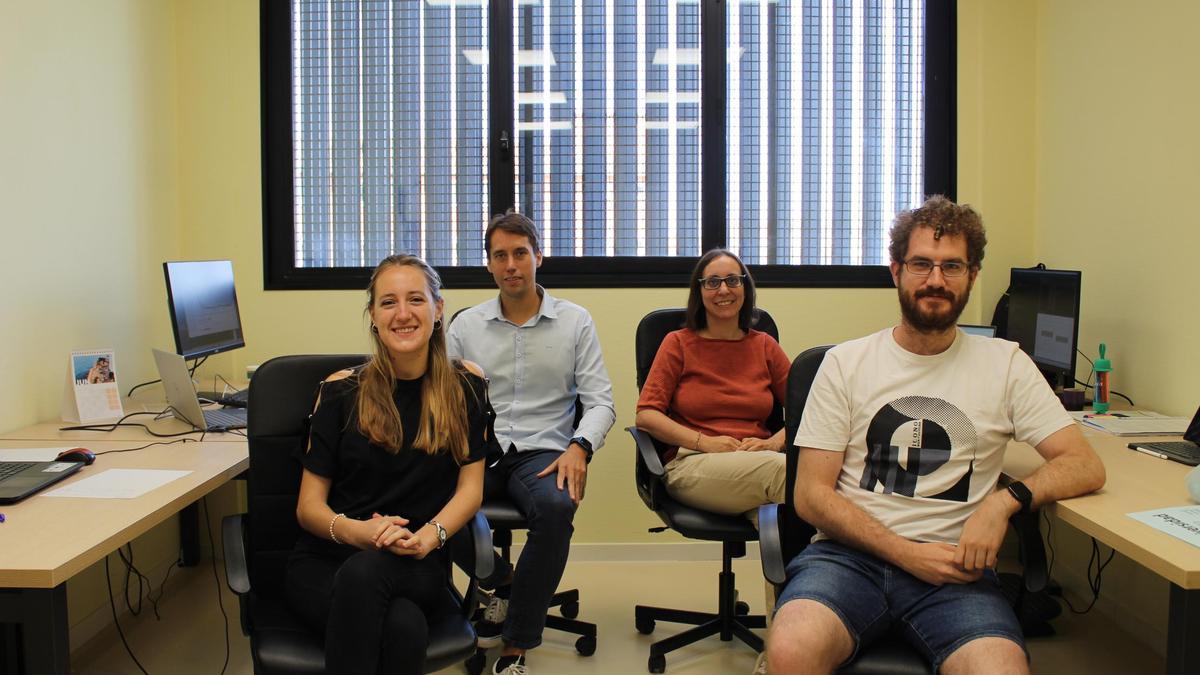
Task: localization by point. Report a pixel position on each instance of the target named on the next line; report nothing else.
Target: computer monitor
(1043, 317)
(204, 309)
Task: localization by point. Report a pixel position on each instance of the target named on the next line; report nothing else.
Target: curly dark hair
(944, 217)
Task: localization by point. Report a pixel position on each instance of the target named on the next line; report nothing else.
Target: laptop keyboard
(225, 418)
(13, 468)
(1182, 449)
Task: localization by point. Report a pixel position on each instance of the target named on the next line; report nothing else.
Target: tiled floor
(188, 639)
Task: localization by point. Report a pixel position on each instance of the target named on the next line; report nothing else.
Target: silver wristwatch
(441, 532)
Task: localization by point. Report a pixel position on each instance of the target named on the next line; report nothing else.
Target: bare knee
(987, 655)
(807, 637)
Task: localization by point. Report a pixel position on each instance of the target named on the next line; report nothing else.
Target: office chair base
(706, 624)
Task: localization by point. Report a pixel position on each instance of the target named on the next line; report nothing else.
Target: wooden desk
(49, 431)
(47, 540)
(1136, 482)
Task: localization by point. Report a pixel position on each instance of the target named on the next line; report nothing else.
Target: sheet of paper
(1181, 522)
(29, 454)
(118, 484)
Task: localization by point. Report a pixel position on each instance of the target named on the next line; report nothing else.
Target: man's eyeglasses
(923, 268)
(713, 283)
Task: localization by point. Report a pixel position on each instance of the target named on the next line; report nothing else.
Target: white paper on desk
(118, 483)
(30, 454)
(1181, 522)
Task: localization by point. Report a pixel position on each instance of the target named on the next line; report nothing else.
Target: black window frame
(281, 273)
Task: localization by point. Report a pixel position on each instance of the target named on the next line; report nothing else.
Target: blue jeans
(870, 596)
(550, 513)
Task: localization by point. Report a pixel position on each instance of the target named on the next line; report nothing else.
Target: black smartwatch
(585, 444)
(1021, 493)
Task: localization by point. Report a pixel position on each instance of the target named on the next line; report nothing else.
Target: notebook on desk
(185, 405)
(1130, 424)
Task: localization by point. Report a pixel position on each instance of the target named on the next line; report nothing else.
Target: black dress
(374, 606)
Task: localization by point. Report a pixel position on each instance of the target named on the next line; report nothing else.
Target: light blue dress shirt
(536, 370)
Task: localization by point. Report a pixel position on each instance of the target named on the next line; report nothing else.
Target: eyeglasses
(923, 268)
(731, 281)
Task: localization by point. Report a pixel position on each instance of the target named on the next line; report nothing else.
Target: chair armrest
(647, 451)
(236, 573)
(770, 543)
(1033, 550)
(481, 543)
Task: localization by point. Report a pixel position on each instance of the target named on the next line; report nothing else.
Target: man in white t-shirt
(901, 445)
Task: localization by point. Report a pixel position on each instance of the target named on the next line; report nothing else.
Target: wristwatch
(441, 532)
(585, 444)
(1021, 493)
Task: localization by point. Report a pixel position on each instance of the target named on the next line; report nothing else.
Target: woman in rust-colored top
(710, 392)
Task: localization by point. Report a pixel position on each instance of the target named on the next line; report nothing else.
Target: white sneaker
(517, 667)
(760, 666)
(496, 610)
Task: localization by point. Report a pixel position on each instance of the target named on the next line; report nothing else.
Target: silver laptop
(185, 405)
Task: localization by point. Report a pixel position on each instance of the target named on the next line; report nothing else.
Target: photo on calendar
(94, 367)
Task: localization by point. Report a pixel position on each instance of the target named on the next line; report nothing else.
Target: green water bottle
(1103, 367)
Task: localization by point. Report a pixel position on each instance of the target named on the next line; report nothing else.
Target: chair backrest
(654, 327)
(794, 532)
(282, 393)
(651, 331)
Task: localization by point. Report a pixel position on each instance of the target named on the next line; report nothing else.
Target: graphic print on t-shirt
(919, 446)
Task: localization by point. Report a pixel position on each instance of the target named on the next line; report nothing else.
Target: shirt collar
(493, 310)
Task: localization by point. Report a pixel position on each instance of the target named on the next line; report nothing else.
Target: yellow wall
(89, 192)
(1118, 141)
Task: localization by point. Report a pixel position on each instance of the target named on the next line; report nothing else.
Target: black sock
(506, 661)
(504, 591)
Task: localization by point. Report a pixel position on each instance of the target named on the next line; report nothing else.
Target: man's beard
(932, 322)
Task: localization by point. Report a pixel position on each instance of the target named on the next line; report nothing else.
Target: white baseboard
(698, 551)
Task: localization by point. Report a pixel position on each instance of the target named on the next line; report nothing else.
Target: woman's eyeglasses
(731, 281)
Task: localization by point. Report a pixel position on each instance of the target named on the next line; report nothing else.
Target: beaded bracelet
(698, 441)
(331, 534)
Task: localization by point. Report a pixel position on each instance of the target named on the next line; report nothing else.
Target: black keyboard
(13, 468)
(237, 399)
(1182, 451)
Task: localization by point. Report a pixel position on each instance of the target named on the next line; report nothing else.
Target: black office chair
(732, 618)
(784, 534)
(257, 543)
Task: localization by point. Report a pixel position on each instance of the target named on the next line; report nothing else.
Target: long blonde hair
(443, 423)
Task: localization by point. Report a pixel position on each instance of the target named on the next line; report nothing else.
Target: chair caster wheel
(657, 664)
(475, 664)
(644, 626)
(740, 608)
(569, 610)
(586, 645)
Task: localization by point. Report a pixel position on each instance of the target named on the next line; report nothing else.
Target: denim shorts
(871, 596)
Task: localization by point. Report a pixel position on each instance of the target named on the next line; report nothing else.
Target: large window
(634, 144)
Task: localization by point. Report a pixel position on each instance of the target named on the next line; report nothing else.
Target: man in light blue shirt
(542, 356)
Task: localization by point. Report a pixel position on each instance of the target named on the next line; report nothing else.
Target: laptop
(984, 331)
(1186, 451)
(18, 480)
(185, 405)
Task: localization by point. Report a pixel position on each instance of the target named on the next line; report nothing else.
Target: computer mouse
(77, 455)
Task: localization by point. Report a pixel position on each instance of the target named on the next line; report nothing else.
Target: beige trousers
(731, 483)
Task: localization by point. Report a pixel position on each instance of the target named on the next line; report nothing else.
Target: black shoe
(487, 634)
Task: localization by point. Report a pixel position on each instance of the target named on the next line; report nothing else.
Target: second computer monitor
(1043, 317)
(204, 308)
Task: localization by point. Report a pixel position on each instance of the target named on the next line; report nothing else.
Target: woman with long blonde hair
(391, 470)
